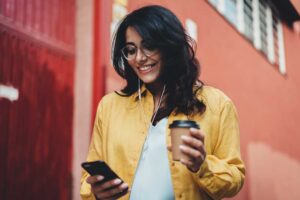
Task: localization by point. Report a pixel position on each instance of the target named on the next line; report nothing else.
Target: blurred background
(55, 66)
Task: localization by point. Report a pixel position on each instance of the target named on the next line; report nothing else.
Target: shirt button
(180, 195)
(173, 164)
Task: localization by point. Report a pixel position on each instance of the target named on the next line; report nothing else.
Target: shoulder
(113, 98)
(110, 97)
(114, 101)
(213, 98)
(212, 93)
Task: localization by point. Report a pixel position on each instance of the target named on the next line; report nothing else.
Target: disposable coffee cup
(178, 129)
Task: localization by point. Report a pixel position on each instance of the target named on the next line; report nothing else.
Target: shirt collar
(143, 92)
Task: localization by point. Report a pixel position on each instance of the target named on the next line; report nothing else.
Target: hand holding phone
(99, 167)
(104, 181)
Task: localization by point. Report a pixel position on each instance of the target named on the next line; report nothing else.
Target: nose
(140, 56)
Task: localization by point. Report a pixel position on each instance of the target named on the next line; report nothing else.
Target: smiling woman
(144, 62)
(152, 52)
(146, 29)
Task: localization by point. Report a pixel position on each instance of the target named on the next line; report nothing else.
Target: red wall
(267, 101)
(37, 58)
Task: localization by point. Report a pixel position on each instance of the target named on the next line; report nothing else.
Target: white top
(152, 178)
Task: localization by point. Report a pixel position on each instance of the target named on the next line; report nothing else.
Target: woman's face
(143, 58)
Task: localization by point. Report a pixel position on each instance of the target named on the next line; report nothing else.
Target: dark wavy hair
(180, 69)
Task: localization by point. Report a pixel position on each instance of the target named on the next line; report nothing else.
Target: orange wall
(267, 102)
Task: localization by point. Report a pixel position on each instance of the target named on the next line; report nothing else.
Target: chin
(147, 80)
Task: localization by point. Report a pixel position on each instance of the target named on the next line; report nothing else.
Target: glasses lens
(148, 49)
(129, 51)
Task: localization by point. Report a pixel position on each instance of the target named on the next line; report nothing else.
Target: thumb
(169, 147)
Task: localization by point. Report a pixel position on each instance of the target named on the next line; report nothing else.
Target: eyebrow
(142, 42)
(130, 43)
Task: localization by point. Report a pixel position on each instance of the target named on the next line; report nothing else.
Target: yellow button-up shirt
(120, 129)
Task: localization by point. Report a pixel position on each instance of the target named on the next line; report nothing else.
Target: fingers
(193, 147)
(192, 166)
(194, 160)
(100, 187)
(114, 192)
(118, 195)
(193, 143)
(94, 179)
(111, 189)
(197, 133)
(187, 163)
(193, 154)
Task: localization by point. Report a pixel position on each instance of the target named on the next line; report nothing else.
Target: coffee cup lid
(184, 124)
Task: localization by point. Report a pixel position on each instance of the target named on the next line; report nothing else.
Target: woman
(155, 56)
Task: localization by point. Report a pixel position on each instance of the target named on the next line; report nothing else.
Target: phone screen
(99, 167)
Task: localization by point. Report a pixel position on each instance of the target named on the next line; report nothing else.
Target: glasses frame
(145, 51)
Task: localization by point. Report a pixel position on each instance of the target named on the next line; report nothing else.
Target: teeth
(146, 67)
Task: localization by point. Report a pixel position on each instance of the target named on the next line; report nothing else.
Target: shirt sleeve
(94, 153)
(222, 173)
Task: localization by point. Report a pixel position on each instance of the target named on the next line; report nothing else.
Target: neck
(155, 89)
(158, 99)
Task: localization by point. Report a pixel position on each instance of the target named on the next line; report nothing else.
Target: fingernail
(125, 186)
(118, 181)
(181, 147)
(100, 178)
(193, 129)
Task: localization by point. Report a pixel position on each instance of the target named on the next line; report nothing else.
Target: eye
(149, 46)
(129, 50)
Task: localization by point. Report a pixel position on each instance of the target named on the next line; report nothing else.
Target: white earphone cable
(158, 106)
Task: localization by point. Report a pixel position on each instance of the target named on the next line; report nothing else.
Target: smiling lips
(146, 68)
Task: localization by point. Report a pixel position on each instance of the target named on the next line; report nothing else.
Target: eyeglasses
(130, 51)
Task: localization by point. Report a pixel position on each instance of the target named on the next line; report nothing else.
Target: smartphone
(99, 167)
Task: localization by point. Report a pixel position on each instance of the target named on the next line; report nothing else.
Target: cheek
(132, 66)
(131, 63)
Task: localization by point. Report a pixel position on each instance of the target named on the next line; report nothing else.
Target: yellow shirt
(120, 130)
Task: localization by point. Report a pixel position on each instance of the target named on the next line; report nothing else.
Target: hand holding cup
(187, 144)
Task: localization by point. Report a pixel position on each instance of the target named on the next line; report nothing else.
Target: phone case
(99, 167)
